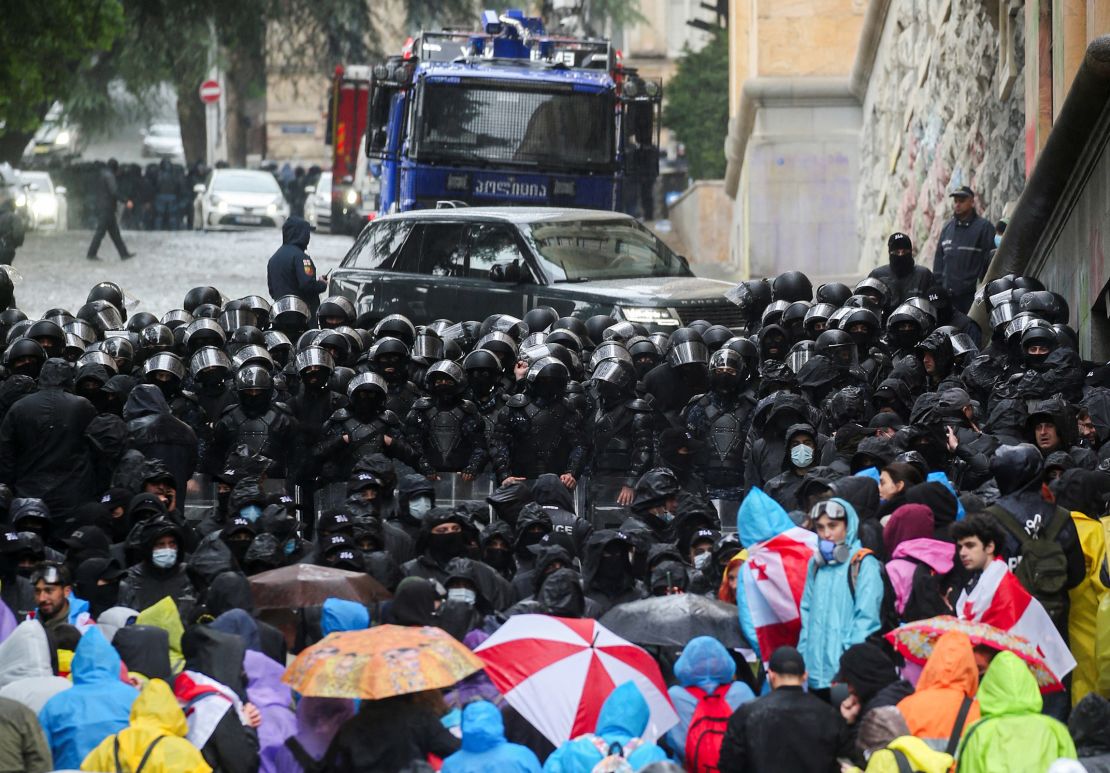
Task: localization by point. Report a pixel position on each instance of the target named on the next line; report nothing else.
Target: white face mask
(701, 560)
(164, 558)
(465, 595)
(418, 506)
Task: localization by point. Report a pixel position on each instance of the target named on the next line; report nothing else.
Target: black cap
(363, 480)
(116, 497)
(9, 541)
(886, 421)
(239, 524)
(88, 538)
(899, 241)
(963, 190)
(954, 398)
(333, 522)
(787, 661)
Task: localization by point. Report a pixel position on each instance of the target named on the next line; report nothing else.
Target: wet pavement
(55, 272)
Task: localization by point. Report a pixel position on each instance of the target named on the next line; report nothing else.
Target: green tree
(696, 107)
(44, 44)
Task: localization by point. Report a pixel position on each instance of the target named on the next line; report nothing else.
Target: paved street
(55, 272)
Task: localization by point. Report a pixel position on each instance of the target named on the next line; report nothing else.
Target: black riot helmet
(687, 348)
(140, 320)
(396, 326)
(1037, 342)
(110, 292)
(835, 293)
(210, 364)
(1042, 303)
(715, 336)
(793, 319)
(335, 310)
(444, 379)
(645, 355)
(259, 305)
(253, 378)
(791, 286)
(504, 323)
(175, 318)
(121, 350)
(25, 357)
(596, 327)
(316, 359)
(619, 331)
(800, 353)
(547, 379)
(204, 332)
(726, 371)
(907, 326)
(427, 346)
(156, 338)
(482, 368)
(200, 296)
(839, 347)
(566, 338)
(574, 325)
(613, 380)
(877, 289)
(1027, 283)
(101, 315)
(747, 350)
(165, 371)
(540, 319)
(817, 318)
(367, 393)
(290, 314)
(863, 325)
(278, 345)
(501, 344)
(49, 335)
(337, 344)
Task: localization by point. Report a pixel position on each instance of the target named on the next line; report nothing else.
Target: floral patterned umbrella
(380, 662)
(915, 642)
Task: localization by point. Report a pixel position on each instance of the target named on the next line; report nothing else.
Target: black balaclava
(366, 405)
(255, 402)
(444, 547)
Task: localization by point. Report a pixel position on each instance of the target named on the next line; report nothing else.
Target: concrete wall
(797, 200)
(944, 107)
(699, 226)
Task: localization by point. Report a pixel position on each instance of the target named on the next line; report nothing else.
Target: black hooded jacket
(609, 587)
(558, 501)
(146, 584)
(44, 451)
(290, 271)
(158, 435)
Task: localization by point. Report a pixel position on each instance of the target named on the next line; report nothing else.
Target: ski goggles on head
(834, 510)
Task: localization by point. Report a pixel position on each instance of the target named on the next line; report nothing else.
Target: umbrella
(307, 585)
(380, 662)
(558, 671)
(915, 642)
(671, 621)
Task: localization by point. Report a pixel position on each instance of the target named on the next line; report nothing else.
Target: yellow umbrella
(381, 662)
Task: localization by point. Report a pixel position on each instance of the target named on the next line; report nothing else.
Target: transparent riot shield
(599, 497)
(727, 510)
(328, 497)
(452, 490)
(201, 498)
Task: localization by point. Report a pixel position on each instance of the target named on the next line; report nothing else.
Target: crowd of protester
(149, 466)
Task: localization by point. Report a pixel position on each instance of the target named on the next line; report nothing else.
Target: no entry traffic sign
(209, 92)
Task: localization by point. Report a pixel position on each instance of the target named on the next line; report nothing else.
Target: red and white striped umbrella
(557, 672)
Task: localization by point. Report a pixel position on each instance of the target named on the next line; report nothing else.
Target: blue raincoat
(832, 621)
(342, 615)
(759, 519)
(623, 716)
(484, 747)
(77, 720)
(704, 663)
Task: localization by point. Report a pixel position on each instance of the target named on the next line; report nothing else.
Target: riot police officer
(445, 428)
(258, 422)
(721, 417)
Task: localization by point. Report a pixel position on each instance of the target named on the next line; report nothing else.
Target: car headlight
(271, 209)
(44, 206)
(63, 138)
(221, 205)
(21, 200)
(352, 197)
(649, 316)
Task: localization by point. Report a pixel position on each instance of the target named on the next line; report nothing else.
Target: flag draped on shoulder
(771, 581)
(999, 599)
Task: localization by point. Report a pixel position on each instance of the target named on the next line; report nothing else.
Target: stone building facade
(944, 106)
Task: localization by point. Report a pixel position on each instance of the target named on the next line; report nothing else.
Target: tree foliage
(696, 107)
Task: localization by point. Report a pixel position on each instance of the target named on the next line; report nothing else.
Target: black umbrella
(672, 621)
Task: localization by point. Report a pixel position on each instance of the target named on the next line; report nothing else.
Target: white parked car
(239, 198)
(163, 140)
(55, 136)
(44, 204)
(317, 205)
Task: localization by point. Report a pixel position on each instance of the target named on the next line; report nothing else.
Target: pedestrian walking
(107, 196)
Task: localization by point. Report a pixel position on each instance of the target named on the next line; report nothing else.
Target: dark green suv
(468, 263)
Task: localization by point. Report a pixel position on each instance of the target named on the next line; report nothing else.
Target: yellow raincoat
(164, 615)
(154, 714)
(918, 753)
(1084, 618)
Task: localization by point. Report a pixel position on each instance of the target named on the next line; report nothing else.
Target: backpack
(142, 762)
(706, 733)
(888, 614)
(614, 757)
(902, 761)
(1043, 570)
(925, 599)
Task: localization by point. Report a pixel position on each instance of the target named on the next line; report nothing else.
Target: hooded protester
(1052, 427)
(768, 449)
(621, 722)
(414, 604)
(162, 570)
(43, 451)
(391, 734)
(484, 747)
(1089, 726)
(497, 548)
(97, 705)
(1012, 734)
(27, 666)
(871, 678)
(901, 274)
(155, 432)
(558, 502)
(154, 740)
(23, 746)
(162, 615)
(318, 720)
(607, 571)
(705, 671)
(145, 651)
(654, 502)
(1025, 516)
(888, 746)
(861, 493)
(415, 497)
(800, 450)
(945, 691)
(836, 612)
(918, 565)
(212, 685)
(272, 697)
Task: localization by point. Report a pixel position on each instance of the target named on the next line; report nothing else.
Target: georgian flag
(999, 599)
(774, 577)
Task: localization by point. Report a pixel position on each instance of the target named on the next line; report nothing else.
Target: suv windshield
(245, 182)
(470, 123)
(620, 248)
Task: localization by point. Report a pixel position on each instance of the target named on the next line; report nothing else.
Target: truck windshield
(496, 125)
(617, 248)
